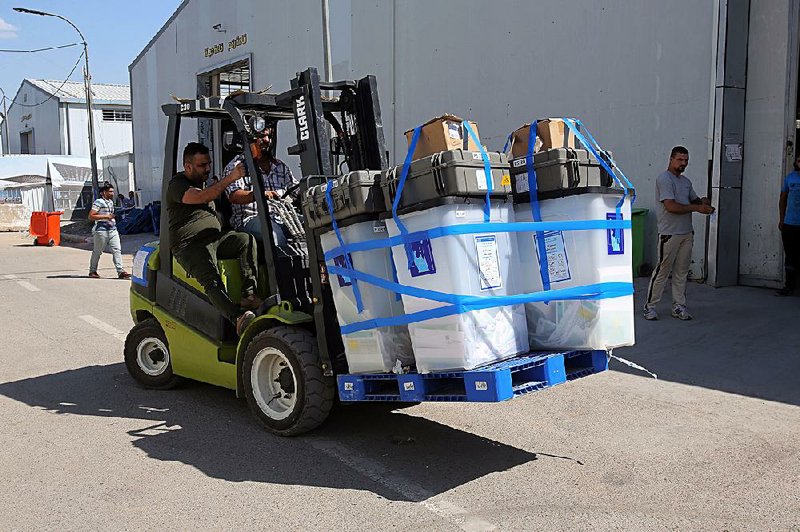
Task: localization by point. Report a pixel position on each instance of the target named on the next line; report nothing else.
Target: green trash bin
(638, 219)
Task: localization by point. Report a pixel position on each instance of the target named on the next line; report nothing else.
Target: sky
(115, 30)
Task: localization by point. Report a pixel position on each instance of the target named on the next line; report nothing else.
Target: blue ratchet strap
(508, 141)
(487, 170)
(402, 183)
(460, 304)
(533, 192)
(613, 162)
(476, 228)
(329, 200)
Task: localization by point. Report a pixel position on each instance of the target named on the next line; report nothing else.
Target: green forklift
(284, 363)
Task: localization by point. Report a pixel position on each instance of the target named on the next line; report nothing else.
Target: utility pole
(87, 83)
(6, 147)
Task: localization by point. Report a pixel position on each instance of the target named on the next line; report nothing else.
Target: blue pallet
(496, 382)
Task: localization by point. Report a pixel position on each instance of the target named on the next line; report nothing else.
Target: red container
(46, 227)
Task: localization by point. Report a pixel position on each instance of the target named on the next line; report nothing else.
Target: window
(116, 115)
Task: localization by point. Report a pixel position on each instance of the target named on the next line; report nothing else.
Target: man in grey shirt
(676, 203)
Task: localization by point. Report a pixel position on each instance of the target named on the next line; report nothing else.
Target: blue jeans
(278, 231)
(106, 239)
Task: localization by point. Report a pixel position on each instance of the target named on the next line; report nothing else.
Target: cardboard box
(550, 133)
(443, 133)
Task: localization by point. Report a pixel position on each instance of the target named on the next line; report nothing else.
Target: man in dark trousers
(789, 224)
(676, 203)
(197, 240)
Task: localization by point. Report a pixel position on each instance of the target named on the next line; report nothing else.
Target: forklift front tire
(284, 383)
(147, 356)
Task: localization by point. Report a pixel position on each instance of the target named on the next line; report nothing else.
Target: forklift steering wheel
(290, 190)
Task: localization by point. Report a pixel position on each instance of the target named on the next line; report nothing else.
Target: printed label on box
(340, 262)
(454, 130)
(408, 386)
(522, 183)
(481, 386)
(379, 227)
(519, 162)
(420, 256)
(557, 260)
(615, 238)
(480, 176)
(348, 386)
(476, 155)
(461, 214)
(488, 262)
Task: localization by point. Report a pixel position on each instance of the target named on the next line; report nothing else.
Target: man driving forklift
(197, 240)
(278, 179)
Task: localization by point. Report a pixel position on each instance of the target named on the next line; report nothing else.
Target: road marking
(397, 483)
(24, 284)
(103, 326)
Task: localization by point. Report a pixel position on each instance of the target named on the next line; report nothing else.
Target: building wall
(768, 124)
(282, 39)
(43, 120)
(110, 137)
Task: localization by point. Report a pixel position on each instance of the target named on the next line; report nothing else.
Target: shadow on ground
(208, 428)
(742, 340)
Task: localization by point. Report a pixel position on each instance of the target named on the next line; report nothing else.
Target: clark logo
(302, 122)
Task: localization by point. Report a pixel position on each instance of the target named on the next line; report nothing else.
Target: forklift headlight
(258, 124)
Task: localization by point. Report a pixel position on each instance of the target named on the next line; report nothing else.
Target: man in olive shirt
(197, 240)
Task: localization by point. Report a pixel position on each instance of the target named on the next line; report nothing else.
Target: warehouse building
(718, 76)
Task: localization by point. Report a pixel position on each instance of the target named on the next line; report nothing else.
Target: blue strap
(508, 141)
(533, 192)
(487, 170)
(329, 200)
(613, 162)
(412, 147)
(469, 229)
(460, 304)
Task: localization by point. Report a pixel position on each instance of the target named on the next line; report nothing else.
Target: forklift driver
(197, 240)
(277, 179)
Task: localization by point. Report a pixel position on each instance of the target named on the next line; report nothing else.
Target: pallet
(493, 383)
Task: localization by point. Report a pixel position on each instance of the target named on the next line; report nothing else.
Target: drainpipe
(728, 133)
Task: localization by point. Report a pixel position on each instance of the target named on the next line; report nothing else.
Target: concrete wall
(771, 82)
(14, 217)
(43, 120)
(282, 38)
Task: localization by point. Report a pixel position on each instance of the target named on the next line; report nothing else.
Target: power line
(54, 93)
(38, 49)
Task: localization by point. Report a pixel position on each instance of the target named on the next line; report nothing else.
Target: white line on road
(24, 284)
(383, 476)
(103, 326)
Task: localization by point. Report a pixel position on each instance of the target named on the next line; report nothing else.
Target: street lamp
(87, 83)
(5, 124)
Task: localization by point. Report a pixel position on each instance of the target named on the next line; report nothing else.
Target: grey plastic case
(558, 171)
(353, 194)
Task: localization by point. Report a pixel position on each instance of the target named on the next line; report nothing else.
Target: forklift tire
(35, 241)
(284, 383)
(147, 356)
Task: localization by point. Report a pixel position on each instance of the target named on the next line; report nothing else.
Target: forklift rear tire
(147, 356)
(284, 382)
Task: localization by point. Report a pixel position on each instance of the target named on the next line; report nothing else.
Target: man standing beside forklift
(197, 240)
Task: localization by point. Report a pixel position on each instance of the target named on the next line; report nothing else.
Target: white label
(348, 386)
(454, 130)
(476, 155)
(379, 227)
(480, 176)
(140, 263)
(522, 183)
(557, 261)
(461, 214)
(408, 386)
(488, 262)
(481, 386)
(519, 162)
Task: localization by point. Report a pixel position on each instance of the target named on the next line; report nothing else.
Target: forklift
(285, 362)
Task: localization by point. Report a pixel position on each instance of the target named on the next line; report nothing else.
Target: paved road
(713, 444)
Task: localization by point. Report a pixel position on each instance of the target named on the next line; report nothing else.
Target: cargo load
(353, 202)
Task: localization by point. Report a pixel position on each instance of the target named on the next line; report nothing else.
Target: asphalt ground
(713, 443)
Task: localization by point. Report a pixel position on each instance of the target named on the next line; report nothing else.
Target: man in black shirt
(197, 240)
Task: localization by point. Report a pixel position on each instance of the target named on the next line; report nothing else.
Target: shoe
(784, 292)
(93, 275)
(124, 275)
(251, 302)
(243, 321)
(650, 314)
(680, 312)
